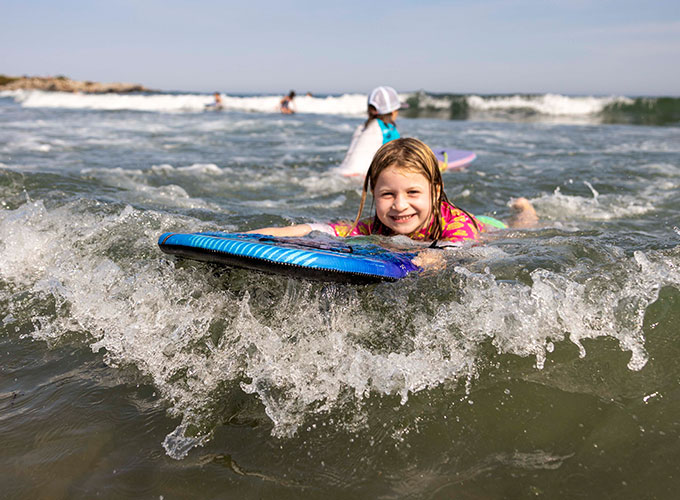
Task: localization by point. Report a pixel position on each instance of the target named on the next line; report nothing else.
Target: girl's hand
(430, 260)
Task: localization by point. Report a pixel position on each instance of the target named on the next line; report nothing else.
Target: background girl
(378, 129)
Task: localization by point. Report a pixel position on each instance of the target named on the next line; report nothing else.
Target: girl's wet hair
(410, 155)
(373, 114)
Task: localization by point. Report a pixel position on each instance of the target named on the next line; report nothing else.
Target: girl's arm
(296, 230)
(429, 260)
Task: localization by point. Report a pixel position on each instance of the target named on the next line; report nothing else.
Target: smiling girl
(409, 198)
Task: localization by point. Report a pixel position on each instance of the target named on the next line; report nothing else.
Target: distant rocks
(63, 84)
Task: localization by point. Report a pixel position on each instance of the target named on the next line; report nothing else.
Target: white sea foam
(548, 104)
(201, 168)
(565, 206)
(24, 143)
(569, 207)
(135, 187)
(347, 104)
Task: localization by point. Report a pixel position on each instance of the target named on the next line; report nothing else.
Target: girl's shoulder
(449, 212)
(457, 225)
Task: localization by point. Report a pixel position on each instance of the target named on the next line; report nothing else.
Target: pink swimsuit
(456, 226)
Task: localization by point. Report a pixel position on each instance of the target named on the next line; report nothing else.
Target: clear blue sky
(598, 47)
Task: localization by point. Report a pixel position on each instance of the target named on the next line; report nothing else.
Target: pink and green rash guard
(456, 226)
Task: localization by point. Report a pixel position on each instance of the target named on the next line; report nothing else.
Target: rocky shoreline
(64, 84)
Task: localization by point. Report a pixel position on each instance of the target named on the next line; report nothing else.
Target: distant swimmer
(217, 103)
(379, 129)
(287, 104)
(218, 100)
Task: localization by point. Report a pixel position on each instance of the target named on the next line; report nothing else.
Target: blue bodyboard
(323, 260)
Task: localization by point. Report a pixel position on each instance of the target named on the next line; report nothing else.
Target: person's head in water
(407, 188)
(383, 104)
(291, 94)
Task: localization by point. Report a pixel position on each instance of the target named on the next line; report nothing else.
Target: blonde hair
(410, 155)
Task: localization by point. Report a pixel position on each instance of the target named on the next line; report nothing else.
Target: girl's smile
(402, 200)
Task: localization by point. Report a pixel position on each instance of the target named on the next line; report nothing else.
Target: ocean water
(542, 363)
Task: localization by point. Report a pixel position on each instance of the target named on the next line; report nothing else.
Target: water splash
(301, 349)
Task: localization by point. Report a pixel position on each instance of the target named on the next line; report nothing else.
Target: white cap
(384, 100)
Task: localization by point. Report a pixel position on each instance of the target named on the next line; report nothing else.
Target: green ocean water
(542, 363)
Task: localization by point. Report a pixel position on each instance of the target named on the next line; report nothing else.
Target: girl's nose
(399, 203)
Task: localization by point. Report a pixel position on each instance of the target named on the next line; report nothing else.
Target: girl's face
(402, 200)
